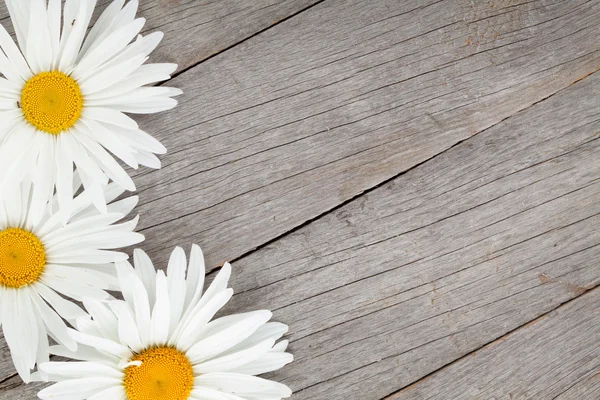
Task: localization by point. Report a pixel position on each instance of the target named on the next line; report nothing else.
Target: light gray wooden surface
(554, 357)
(402, 182)
(313, 112)
(197, 29)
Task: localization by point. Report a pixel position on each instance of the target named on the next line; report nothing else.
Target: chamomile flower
(160, 343)
(64, 96)
(45, 256)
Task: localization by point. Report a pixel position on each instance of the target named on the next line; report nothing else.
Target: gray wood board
(197, 29)
(555, 357)
(429, 267)
(330, 103)
(194, 30)
(443, 259)
(311, 113)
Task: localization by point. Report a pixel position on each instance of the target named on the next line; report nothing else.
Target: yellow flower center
(165, 374)
(22, 258)
(51, 101)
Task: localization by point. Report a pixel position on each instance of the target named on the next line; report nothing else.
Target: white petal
(195, 277)
(217, 286)
(39, 46)
(106, 135)
(65, 308)
(20, 330)
(54, 323)
(43, 344)
(227, 338)
(80, 369)
(102, 25)
(72, 44)
(107, 162)
(148, 106)
(83, 353)
(109, 116)
(242, 384)
(89, 256)
(101, 344)
(104, 79)
(14, 55)
(43, 181)
(273, 330)
(146, 272)
(146, 74)
(200, 317)
(128, 332)
(200, 393)
(231, 361)
(113, 393)
(136, 296)
(177, 285)
(64, 175)
(83, 226)
(107, 49)
(76, 292)
(104, 318)
(54, 22)
(161, 312)
(267, 363)
(78, 389)
(19, 15)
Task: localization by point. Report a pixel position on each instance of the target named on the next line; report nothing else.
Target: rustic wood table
(412, 185)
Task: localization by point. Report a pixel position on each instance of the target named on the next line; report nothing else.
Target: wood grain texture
(455, 253)
(556, 357)
(429, 267)
(340, 98)
(494, 224)
(197, 29)
(194, 30)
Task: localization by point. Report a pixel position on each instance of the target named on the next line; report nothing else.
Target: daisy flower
(160, 343)
(64, 96)
(44, 255)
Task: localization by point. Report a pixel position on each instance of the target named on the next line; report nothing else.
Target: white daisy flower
(160, 343)
(64, 95)
(44, 255)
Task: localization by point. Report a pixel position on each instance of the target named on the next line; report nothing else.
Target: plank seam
(491, 343)
(386, 181)
(184, 70)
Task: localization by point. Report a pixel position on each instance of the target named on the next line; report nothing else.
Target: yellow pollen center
(22, 258)
(165, 374)
(51, 101)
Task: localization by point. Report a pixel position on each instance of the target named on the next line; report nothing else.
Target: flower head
(161, 342)
(47, 252)
(64, 96)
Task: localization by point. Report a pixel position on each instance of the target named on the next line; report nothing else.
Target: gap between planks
(100, 7)
(525, 325)
(387, 181)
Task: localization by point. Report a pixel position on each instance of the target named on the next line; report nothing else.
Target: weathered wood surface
(332, 102)
(431, 266)
(477, 239)
(455, 253)
(197, 29)
(555, 357)
(194, 30)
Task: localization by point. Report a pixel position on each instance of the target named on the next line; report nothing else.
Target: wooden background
(413, 186)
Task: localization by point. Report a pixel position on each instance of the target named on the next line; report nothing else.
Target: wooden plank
(556, 357)
(346, 95)
(442, 260)
(197, 29)
(276, 177)
(194, 30)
